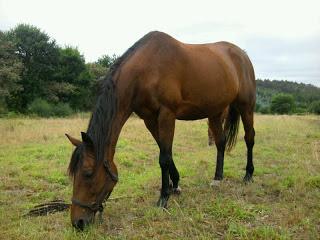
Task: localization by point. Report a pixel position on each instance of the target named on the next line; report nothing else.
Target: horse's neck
(121, 117)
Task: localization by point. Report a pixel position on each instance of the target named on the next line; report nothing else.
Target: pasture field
(283, 202)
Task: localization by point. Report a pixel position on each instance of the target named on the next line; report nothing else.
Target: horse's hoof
(247, 178)
(215, 183)
(163, 202)
(100, 218)
(176, 191)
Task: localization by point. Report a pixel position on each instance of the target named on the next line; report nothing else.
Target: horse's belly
(189, 111)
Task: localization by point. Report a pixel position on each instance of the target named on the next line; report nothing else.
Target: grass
(281, 203)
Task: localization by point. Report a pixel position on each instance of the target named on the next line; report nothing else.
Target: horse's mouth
(82, 223)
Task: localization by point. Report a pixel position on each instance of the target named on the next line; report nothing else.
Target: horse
(162, 79)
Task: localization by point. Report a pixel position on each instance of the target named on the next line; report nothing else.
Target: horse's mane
(99, 128)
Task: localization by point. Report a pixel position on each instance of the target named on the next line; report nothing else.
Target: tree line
(37, 76)
(285, 97)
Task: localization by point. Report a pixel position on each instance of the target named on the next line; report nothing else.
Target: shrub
(40, 107)
(257, 107)
(282, 103)
(264, 110)
(315, 107)
(300, 110)
(62, 110)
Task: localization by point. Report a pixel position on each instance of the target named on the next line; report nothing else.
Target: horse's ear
(74, 141)
(87, 139)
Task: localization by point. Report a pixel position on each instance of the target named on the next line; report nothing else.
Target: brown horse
(161, 80)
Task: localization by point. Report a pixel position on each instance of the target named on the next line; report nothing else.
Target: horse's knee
(164, 161)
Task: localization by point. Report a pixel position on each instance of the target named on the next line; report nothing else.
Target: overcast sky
(282, 37)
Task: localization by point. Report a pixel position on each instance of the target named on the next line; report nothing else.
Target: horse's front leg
(166, 125)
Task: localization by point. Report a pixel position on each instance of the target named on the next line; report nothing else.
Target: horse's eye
(87, 174)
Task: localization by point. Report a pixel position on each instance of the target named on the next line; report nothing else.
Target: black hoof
(163, 202)
(218, 178)
(100, 217)
(248, 178)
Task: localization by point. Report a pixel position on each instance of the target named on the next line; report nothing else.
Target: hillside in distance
(304, 94)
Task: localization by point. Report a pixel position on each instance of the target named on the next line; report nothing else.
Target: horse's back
(194, 80)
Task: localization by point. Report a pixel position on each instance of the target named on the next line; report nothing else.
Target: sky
(281, 37)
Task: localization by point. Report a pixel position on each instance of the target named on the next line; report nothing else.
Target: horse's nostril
(79, 224)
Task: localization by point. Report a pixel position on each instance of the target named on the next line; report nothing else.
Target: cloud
(290, 59)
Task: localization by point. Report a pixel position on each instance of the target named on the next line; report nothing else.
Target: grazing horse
(161, 80)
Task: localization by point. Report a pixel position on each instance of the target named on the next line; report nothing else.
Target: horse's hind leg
(175, 177)
(215, 124)
(247, 119)
(210, 136)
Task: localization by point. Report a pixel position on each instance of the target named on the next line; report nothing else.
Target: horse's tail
(231, 126)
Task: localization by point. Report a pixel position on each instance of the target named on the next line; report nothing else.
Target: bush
(282, 103)
(264, 110)
(62, 110)
(257, 107)
(300, 110)
(315, 107)
(40, 107)
(3, 109)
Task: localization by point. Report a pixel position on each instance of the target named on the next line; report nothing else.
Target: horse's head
(93, 181)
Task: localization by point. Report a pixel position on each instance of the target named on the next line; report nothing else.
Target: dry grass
(282, 202)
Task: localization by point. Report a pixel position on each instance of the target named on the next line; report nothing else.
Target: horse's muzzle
(80, 224)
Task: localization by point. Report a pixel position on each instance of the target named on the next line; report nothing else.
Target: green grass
(283, 202)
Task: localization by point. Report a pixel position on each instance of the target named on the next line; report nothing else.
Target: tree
(282, 103)
(70, 66)
(39, 55)
(10, 69)
(107, 61)
(73, 80)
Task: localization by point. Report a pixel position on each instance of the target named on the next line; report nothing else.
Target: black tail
(231, 126)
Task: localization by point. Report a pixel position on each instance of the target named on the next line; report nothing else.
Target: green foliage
(264, 109)
(39, 55)
(62, 110)
(54, 74)
(96, 70)
(71, 65)
(304, 94)
(315, 107)
(282, 103)
(10, 70)
(40, 107)
(106, 60)
(73, 80)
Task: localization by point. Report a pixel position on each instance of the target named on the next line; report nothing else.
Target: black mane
(99, 128)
